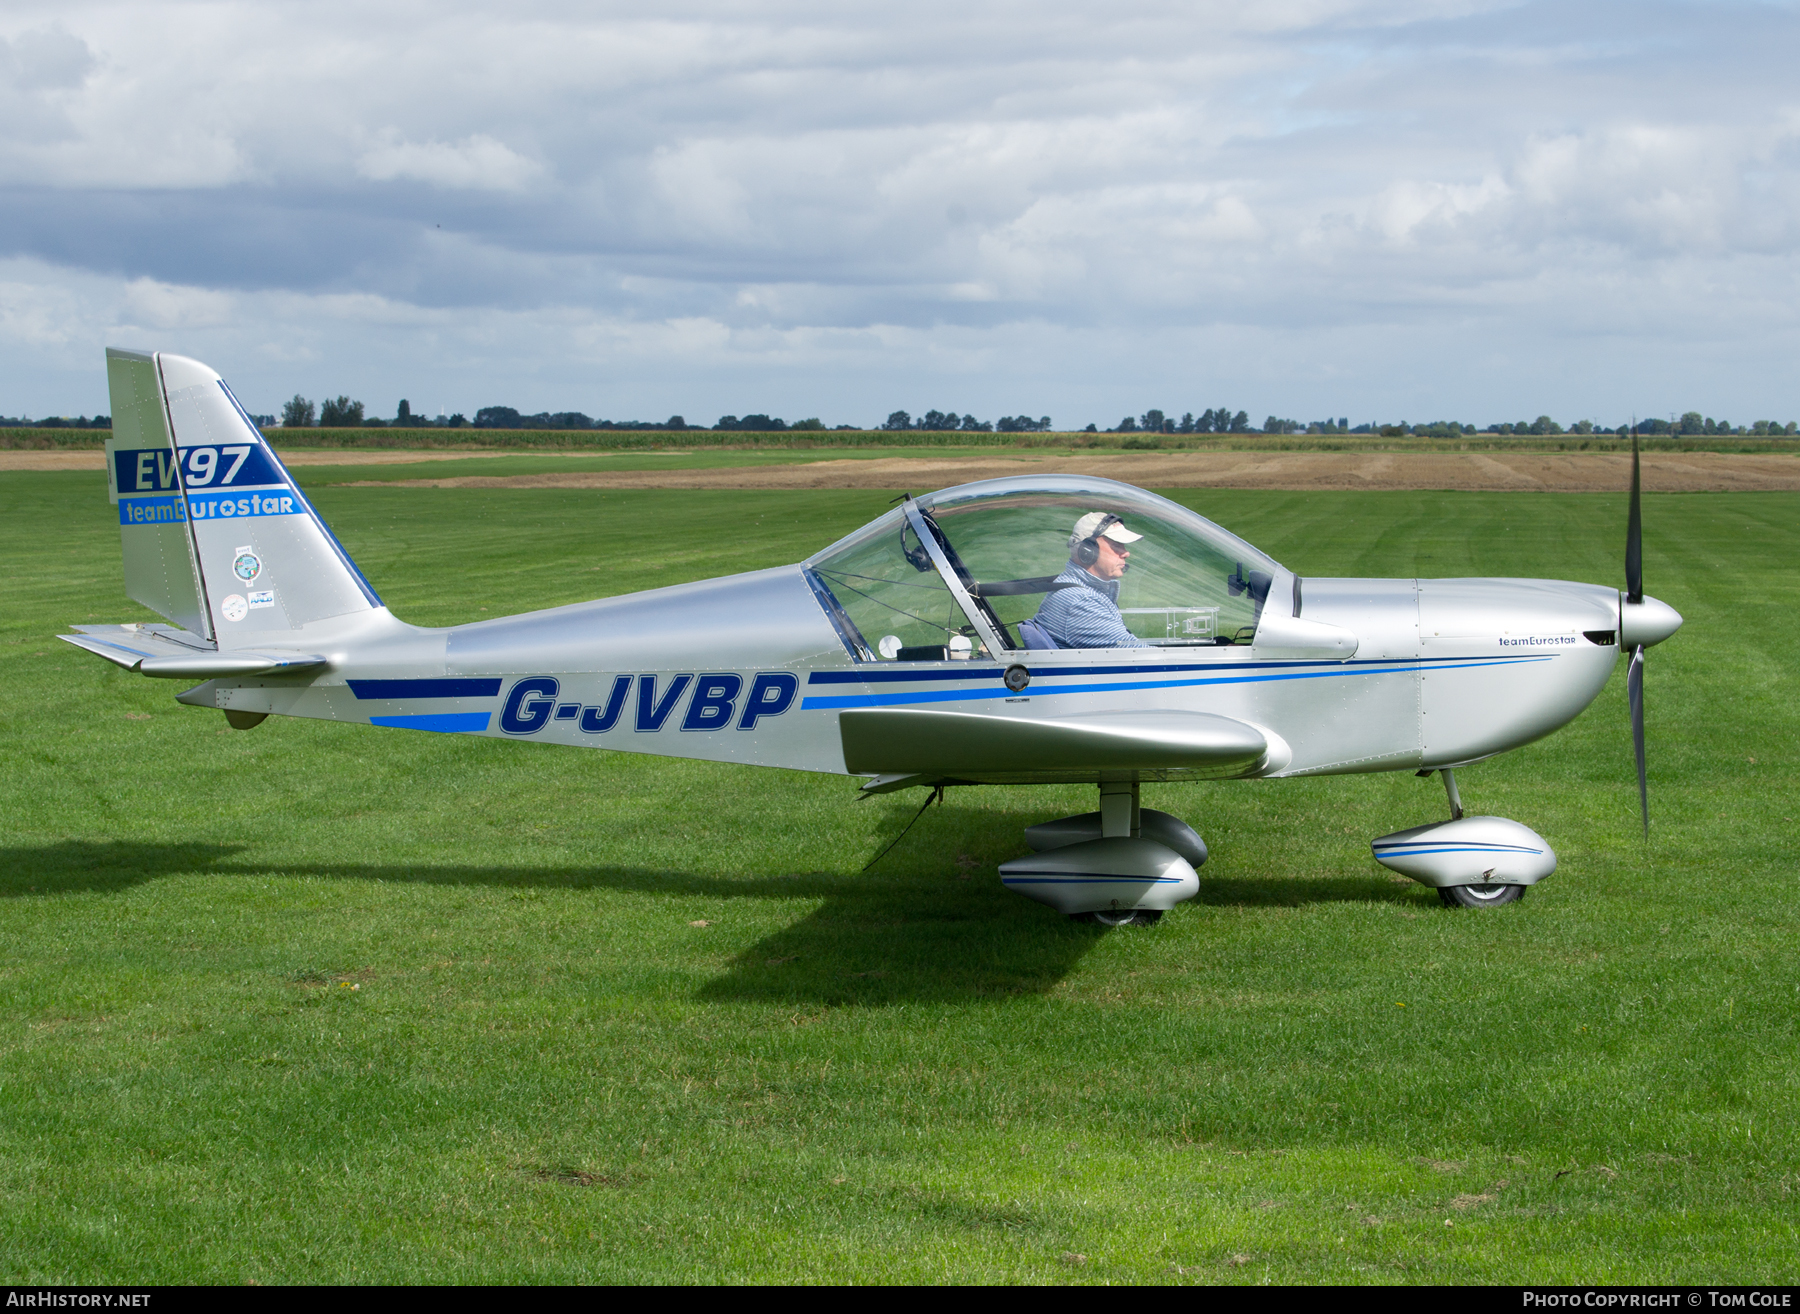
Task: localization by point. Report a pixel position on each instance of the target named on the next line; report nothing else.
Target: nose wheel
(1121, 917)
(1480, 896)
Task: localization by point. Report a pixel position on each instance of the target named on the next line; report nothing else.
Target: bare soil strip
(1556, 472)
(1582, 472)
(97, 460)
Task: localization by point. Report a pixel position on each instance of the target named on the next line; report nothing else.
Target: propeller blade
(1634, 690)
(1634, 533)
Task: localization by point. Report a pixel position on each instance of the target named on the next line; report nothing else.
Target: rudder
(161, 570)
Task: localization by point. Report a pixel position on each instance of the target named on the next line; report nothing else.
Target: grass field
(320, 1003)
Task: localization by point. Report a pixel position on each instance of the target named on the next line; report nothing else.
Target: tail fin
(217, 536)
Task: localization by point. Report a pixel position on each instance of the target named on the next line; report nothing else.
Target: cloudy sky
(1379, 209)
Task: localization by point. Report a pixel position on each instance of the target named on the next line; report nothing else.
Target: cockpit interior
(951, 576)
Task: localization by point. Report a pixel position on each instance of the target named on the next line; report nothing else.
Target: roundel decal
(234, 607)
(246, 565)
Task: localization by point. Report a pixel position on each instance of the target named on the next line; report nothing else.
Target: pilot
(1087, 615)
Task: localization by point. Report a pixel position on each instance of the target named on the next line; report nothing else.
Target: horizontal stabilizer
(175, 654)
(113, 652)
(218, 666)
(129, 645)
(890, 740)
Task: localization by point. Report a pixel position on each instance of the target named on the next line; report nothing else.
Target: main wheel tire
(1121, 917)
(1480, 896)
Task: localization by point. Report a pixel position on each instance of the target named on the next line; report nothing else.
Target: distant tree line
(772, 424)
(951, 422)
(343, 412)
(1692, 424)
(1219, 420)
(57, 422)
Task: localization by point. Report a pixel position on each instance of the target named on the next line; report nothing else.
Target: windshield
(1188, 583)
(898, 605)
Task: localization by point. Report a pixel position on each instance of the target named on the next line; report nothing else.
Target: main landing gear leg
(1450, 790)
(1456, 812)
(1121, 817)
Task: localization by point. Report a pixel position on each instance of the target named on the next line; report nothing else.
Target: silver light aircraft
(914, 652)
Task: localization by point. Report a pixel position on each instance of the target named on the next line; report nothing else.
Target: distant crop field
(321, 1003)
(849, 440)
(704, 440)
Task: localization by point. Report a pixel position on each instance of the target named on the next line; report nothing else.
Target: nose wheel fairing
(1469, 851)
(1472, 862)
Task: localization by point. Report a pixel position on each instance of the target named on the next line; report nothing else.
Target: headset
(1085, 552)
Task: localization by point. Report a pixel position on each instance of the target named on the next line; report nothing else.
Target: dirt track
(96, 460)
(1525, 472)
(1578, 472)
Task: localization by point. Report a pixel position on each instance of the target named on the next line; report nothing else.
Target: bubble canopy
(955, 572)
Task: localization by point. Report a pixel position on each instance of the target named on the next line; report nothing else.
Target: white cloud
(77, 118)
(44, 60)
(864, 198)
(38, 314)
(477, 163)
(1403, 207)
(162, 307)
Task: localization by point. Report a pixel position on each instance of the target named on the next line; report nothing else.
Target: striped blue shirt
(1086, 617)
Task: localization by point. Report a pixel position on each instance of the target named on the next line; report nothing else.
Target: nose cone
(1646, 623)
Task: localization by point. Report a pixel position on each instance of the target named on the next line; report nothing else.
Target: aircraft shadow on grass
(918, 931)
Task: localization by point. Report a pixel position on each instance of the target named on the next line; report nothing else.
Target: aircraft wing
(905, 746)
(177, 654)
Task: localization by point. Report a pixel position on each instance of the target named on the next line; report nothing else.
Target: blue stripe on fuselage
(1044, 878)
(1043, 691)
(438, 688)
(1472, 844)
(985, 671)
(443, 723)
(1499, 849)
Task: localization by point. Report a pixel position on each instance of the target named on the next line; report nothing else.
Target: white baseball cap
(1089, 526)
